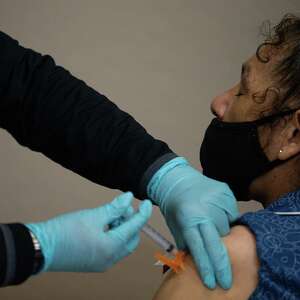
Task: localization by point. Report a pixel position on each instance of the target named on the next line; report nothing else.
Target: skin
(279, 142)
(248, 101)
(188, 286)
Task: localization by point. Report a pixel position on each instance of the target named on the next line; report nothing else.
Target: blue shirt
(278, 248)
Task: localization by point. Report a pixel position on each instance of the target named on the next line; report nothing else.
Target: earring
(280, 151)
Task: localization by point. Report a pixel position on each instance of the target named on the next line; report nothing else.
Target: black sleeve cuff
(17, 255)
(152, 170)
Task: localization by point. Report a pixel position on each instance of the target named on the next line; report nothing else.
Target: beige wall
(160, 60)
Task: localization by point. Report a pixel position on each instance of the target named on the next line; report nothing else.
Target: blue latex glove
(92, 240)
(197, 210)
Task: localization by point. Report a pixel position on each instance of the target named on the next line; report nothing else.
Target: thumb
(118, 207)
(232, 210)
(128, 229)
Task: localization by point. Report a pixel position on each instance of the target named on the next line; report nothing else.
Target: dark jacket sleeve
(16, 254)
(50, 111)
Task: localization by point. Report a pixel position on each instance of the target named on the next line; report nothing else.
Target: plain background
(160, 60)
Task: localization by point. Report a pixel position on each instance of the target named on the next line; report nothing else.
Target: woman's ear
(291, 138)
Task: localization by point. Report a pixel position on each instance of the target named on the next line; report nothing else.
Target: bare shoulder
(241, 247)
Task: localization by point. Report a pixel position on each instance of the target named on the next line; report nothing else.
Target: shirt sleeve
(17, 254)
(44, 107)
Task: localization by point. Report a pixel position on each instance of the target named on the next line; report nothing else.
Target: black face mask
(231, 153)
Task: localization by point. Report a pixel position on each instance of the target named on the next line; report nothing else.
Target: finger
(127, 215)
(222, 226)
(131, 227)
(195, 244)
(232, 209)
(224, 230)
(129, 248)
(133, 243)
(225, 213)
(220, 219)
(228, 204)
(178, 238)
(217, 253)
(117, 207)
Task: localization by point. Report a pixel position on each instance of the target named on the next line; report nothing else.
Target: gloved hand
(197, 210)
(92, 240)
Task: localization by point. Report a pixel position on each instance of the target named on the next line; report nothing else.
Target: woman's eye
(238, 94)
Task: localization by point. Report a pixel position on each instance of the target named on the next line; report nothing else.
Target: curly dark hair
(284, 36)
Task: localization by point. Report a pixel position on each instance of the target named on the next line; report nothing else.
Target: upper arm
(187, 285)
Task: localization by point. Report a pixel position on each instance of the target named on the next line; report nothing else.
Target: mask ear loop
(271, 118)
(258, 122)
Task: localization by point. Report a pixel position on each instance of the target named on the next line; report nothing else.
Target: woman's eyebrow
(246, 69)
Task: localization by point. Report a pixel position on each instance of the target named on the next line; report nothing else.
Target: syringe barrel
(158, 238)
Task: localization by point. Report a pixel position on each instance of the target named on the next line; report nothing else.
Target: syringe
(160, 240)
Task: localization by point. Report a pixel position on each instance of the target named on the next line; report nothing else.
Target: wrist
(39, 259)
(160, 183)
(39, 232)
(151, 170)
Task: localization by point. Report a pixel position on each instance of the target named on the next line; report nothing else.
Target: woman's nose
(220, 104)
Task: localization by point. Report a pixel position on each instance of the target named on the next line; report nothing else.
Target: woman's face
(251, 99)
(241, 102)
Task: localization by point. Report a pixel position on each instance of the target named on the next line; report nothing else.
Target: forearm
(50, 111)
(17, 254)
